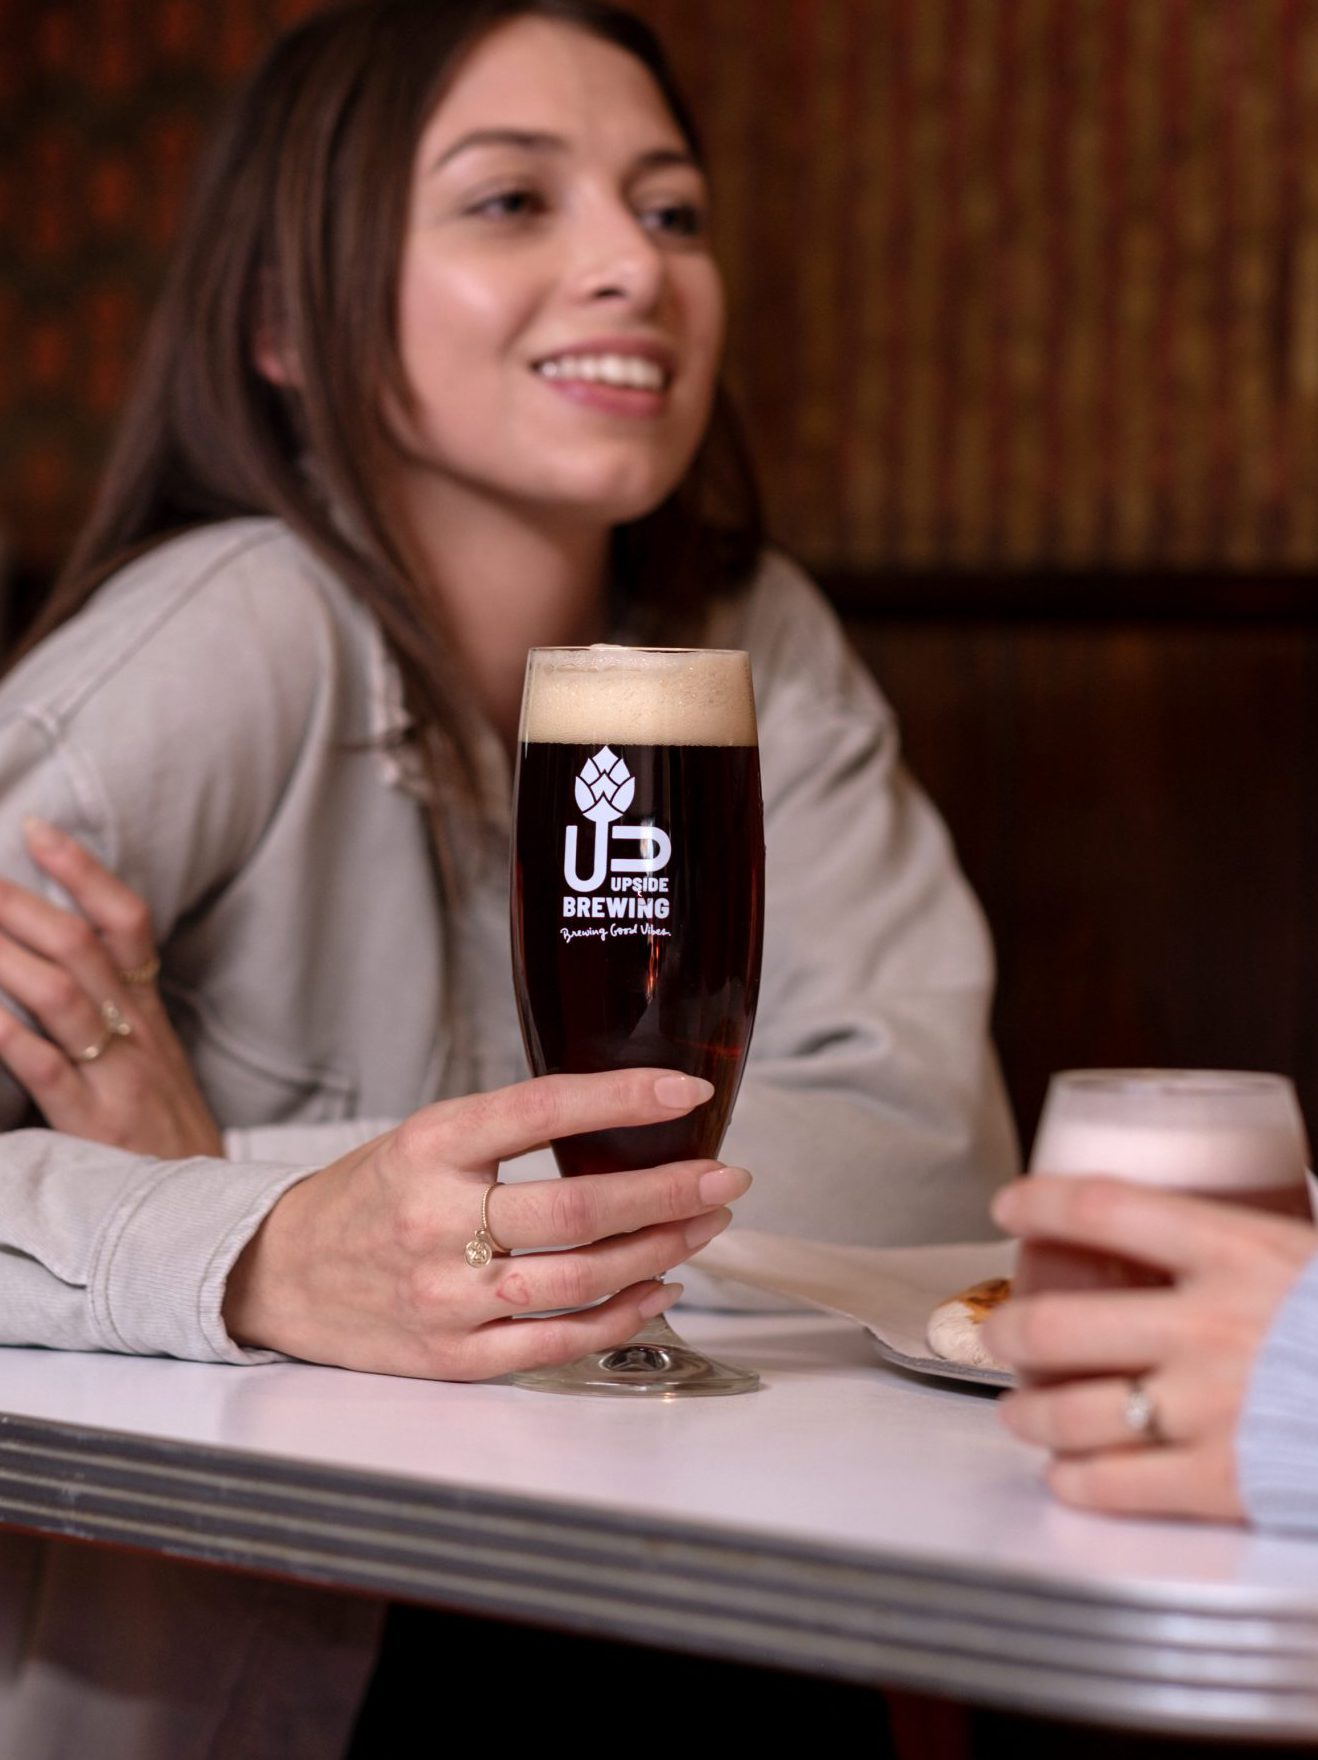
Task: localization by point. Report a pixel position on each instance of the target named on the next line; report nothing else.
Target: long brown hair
(297, 221)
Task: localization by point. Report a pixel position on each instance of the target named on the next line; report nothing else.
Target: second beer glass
(638, 917)
(1232, 1135)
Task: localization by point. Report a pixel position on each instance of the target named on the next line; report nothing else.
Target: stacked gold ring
(146, 973)
(114, 1027)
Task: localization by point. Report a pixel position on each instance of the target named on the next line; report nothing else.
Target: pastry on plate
(955, 1329)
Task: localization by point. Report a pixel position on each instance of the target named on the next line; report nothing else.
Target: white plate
(890, 1291)
(938, 1368)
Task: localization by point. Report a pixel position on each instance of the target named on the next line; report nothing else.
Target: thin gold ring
(146, 973)
(482, 1247)
(114, 1026)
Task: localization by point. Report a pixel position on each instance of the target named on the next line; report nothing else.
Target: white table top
(867, 1489)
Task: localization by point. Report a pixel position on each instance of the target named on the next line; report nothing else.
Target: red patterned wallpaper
(106, 103)
(1022, 283)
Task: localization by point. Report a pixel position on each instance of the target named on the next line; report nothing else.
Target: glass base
(656, 1364)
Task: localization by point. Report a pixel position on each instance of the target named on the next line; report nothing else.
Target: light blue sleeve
(1277, 1442)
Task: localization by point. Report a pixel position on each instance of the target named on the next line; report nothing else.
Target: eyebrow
(532, 140)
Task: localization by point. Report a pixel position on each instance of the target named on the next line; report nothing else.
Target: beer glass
(638, 919)
(1233, 1135)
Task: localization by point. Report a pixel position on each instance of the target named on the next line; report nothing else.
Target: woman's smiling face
(560, 312)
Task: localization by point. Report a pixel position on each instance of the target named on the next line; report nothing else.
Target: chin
(627, 512)
(618, 498)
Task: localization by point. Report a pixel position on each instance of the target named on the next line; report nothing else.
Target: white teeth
(606, 369)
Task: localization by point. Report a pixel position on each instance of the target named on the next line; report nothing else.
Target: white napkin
(891, 1291)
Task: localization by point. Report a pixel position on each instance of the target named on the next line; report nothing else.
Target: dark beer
(638, 909)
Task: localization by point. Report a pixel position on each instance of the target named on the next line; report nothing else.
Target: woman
(1197, 1399)
(435, 380)
(373, 408)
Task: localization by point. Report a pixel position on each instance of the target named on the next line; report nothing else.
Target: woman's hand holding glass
(110, 1067)
(1190, 1345)
(363, 1264)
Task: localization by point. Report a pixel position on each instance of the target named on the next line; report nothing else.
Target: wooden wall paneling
(1029, 284)
(1307, 837)
(1135, 807)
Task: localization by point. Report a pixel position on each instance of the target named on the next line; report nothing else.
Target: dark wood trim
(980, 596)
(1060, 598)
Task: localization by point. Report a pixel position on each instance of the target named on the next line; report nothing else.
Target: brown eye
(509, 204)
(682, 220)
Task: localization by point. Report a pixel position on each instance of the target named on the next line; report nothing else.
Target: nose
(618, 260)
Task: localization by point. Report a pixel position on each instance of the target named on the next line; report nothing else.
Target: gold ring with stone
(1140, 1414)
(482, 1247)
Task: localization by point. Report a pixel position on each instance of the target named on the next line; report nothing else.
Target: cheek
(457, 319)
(700, 292)
(707, 306)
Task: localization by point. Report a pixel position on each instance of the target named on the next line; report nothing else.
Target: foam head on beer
(639, 696)
(1222, 1133)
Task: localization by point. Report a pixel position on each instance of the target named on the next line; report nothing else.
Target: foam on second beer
(639, 697)
(1200, 1131)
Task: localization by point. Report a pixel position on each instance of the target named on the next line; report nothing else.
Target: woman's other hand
(85, 979)
(362, 1264)
(1190, 1346)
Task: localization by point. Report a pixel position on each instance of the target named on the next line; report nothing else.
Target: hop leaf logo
(604, 787)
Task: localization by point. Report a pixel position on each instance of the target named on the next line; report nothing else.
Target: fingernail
(39, 831)
(703, 1228)
(660, 1298)
(1004, 1202)
(682, 1092)
(722, 1184)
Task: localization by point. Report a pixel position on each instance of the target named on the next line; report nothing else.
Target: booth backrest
(1134, 800)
